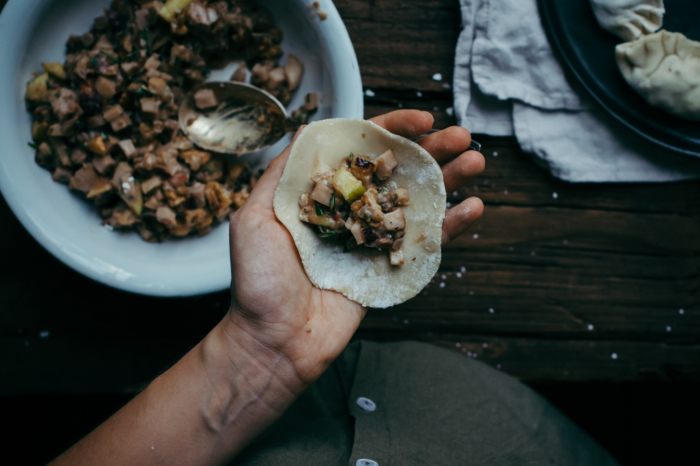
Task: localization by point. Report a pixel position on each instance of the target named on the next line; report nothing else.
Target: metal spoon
(244, 118)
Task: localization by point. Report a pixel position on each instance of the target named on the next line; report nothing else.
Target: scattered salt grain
(450, 111)
(442, 284)
(476, 236)
(44, 334)
(463, 269)
(485, 345)
(474, 355)
(455, 194)
(405, 321)
(491, 311)
(505, 192)
(668, 328)
(555, 195)
(681, 311)
(443, 276)
(590, 327)
(419, 93)
(495, 153)
(400, 105)
(109, 227)
(437, 77)
(457, 345)
(436, 109)
(469, 353)
(369, 93)
(459, 275)
(614, 355)
(446, 86)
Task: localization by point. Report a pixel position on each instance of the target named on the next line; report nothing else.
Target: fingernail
(296, 135)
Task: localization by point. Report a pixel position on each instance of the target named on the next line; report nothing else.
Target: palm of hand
(273, 299)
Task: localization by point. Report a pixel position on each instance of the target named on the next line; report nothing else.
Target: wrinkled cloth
(507, 82)
(431, 407)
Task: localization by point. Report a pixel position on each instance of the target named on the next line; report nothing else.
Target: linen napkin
(507, 82)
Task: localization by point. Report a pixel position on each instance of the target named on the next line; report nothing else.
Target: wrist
(253, 379)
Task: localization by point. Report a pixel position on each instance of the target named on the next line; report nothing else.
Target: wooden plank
(401, 45)
(122, 365)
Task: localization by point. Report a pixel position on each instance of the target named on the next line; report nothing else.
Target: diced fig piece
(97, 145)
(105, 87)
(195, 158)
(121, 123)
(44, 156)
(157, 85)
(347, 185)
(130, 67)
(322, 194)
(37, 90)
(166, 216)
(103, 163)
(386, 163)
(61, 175)
(276, 78)
(363, 169)
(150, 105)
(99, 187)
(240, 75)
(402, 198)
(127, 146)
(261, 73)
(205, 98)
(55, 69)
(83, 179)
(112, 113)
(150, 184)
(293, 71)
(77, 157)
(396, 257)
(395, 220)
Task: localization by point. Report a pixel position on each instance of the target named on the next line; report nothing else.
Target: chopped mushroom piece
(395, 220)
(293, 70)
(127, 146)
(386, 163)
(105, 87)
(150, 184)
(205, 98)
(166, 216)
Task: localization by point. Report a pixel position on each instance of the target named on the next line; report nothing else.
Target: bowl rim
(19, 15)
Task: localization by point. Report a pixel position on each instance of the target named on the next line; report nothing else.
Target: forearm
(202, 411)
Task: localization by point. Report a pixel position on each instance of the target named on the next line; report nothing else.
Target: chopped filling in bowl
(105, 122)
(359, 205)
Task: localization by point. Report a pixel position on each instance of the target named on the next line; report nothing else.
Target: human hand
(273, 301)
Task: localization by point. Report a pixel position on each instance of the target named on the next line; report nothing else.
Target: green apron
(415, 404)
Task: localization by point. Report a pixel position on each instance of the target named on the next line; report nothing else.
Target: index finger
(406, 123)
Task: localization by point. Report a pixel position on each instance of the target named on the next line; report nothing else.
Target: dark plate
(589, 53)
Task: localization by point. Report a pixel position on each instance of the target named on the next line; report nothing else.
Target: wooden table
(557, 282)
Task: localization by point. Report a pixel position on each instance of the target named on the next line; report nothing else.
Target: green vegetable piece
(319, 210)
(33, 146)
(347, 185)
(332, 201)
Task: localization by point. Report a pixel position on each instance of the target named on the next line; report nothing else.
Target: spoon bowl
(240, 118)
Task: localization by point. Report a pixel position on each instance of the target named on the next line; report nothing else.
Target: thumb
(264, 191)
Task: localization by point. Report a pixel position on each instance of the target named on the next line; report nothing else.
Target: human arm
(279, 336)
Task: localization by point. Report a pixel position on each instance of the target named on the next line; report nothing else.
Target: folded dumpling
(664, 68)
(629, 19)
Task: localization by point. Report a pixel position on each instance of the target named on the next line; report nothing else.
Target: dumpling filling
(358, 205)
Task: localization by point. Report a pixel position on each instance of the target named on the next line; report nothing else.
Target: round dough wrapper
(363, 274)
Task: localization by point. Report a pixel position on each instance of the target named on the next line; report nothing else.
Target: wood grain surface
(557, 282)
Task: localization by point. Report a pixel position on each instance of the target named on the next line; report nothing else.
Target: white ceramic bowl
(35, 31)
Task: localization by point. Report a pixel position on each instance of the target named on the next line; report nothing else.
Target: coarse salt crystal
(491, 311)
(495, 153)
(459, 275)
(419, 93)
(555, 195)
(681, 311)
(463, 269)
(442, 284)
(668, 328)
(369, 93)
(476, 236)
(590, 327)
(450, 111)
(437, 77)
(614, 355)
